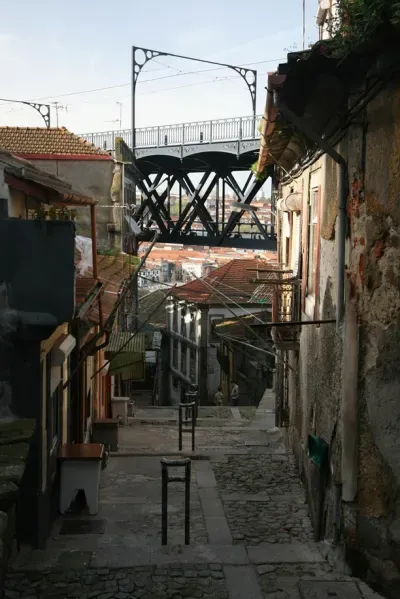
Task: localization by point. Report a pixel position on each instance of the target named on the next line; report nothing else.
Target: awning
(130, 366)
(125, 341)
(126, 351)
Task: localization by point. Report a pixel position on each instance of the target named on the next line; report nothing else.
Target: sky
(53, 51)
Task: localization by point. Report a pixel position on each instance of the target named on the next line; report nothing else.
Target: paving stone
(143, 582)
(291, 553)
(250, 530)
(242, 582)
(329, 590)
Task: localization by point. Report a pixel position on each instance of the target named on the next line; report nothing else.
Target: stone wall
(370, 521)
(374, 275)
(15, 440)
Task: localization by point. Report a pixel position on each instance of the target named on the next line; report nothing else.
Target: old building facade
(193, 312)
(339, 227)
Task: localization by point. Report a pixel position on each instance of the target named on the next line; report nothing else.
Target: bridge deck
(182, 134)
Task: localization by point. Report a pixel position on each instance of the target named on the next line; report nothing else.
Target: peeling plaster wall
(315, 392)
(371, 524)
(374, 275)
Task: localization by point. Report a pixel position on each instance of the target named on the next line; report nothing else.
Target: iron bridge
(180, 169)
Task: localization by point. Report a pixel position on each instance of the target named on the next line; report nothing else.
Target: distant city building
(193, 312)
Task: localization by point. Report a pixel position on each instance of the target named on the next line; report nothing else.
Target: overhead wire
(236, 340)
(228, 298)
(236, 315)
(87, 91)
(91, 345)
(134, 332)
(215, 80)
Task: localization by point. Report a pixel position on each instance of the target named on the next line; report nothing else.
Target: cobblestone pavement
(138, 484)
(251, 535)
(198, 582)
(138, 438)
(252, 474)
(263, 499)
(257, 522)
(280, 581)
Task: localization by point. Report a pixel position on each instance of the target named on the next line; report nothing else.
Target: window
(174, 318)
(193, 360)
(192, 328)
(183, 359)
(183, 322)
(175, 354)
(312, 240)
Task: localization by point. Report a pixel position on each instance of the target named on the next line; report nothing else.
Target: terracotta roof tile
(111, 271)
(83, 288)
(39, 140)
(152, 309)
(231, 279)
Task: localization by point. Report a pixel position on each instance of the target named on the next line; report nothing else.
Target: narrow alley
(251, 536)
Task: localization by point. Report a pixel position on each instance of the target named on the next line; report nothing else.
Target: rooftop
(112, 271)
(152, 310)
(233, 280)
(303, 84)
(39, 142)
(19, 171)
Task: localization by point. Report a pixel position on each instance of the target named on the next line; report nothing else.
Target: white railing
(213, 131)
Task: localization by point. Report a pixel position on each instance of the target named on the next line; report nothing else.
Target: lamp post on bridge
(249, 76)
(42, 109)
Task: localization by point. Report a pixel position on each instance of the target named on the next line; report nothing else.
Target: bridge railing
(212, 131)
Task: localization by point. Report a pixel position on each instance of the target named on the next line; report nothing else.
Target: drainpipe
(304, 128)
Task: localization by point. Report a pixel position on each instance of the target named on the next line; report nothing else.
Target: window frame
(313, 241)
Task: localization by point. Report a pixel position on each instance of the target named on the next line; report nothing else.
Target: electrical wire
(236, 340)
(158, 91)
(91, 344)
(134, 333)
(237, 316)
(242, 351)
(227, 298)
(88, 91)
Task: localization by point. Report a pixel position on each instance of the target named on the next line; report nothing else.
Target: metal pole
(186, 462)
(254, 100)
(187, 502)
(164, 503)
(193, 425)
(134, 77)
(217, 204)
(223, 203)
(180, 428)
